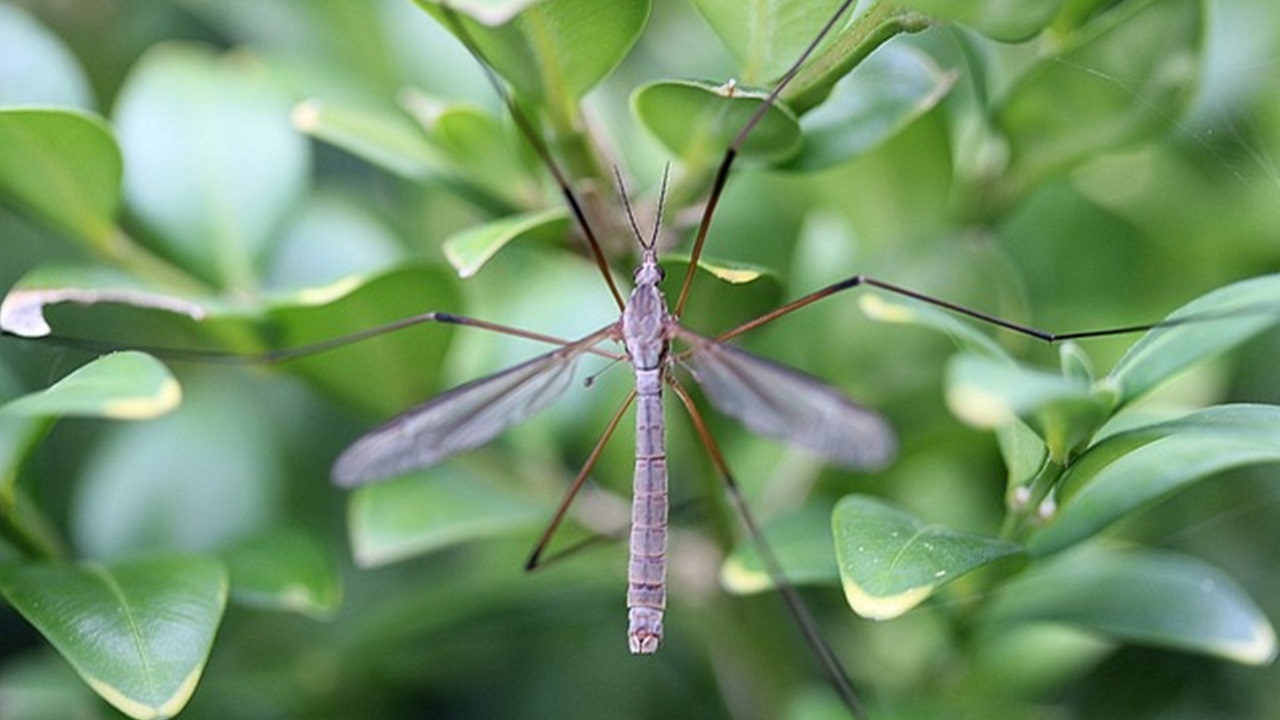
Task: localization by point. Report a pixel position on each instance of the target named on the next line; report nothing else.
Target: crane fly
(770, 399)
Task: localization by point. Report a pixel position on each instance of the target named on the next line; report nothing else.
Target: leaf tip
(978, 408)
(883, 607)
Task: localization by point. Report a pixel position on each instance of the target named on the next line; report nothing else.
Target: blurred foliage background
(1076, 231)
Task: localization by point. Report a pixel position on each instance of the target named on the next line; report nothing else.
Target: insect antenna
(631, 216)
(626, 205)
(527, 129)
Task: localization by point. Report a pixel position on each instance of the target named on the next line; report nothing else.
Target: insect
(768, 398)
(771, 399)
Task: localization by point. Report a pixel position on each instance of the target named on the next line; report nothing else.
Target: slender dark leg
(835, 672)
(536, 559)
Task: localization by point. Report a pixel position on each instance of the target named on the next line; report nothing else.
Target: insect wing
(786, 404)
(463, 418)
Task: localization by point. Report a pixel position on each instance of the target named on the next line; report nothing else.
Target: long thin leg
(526, 128)
(284, 355)
(808, 626)
(722, 174)
(864, 281)
(535, 558)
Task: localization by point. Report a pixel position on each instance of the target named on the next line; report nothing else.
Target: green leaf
(1154, 598)
(1024, 453)
(470, 249)
(36, 68)
(284, 570)
(990, 393)
(766, 37)
(554, 51)
(800, 541)
(698, 120)
(885, 93)
(891, 561)
(121, 386)
(477, 145)
(406, 361)
(63, 166)
(1199, 330)
(1125, 77)
(1103, 487)
(24, 307)
(138, 633)
(734, 273)
(490, 12)
(424, 512)
(213, 165)
(1004, 20)
(388, 141)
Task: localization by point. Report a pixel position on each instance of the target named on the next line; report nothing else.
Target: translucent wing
(463, 418)
(788, 405)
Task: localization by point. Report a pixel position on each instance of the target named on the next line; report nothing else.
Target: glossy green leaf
(1126, 77)
(1024, 453)
(990, 393)
(406, 361)
(213, 164)
(753, 291)
(470, 249)
(138, 633)
(767, 37)
(732, 273)
(1201, 329)
(285, 570)
(1195, 447)
(1075, 363)
(478, 146)
(1143, 596)
(121, 386)
(884, 94)
(696, 121)
(388, 141)
(891, 561)
(800, 541)
(65, 167)
(1005, 20)
(23, 310)
(425, 512)
(36, 68)
(492, 12)
(556, 50)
